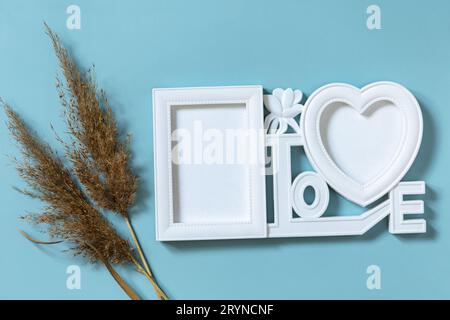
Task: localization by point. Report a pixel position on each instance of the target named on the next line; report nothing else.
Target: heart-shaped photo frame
(362, 141)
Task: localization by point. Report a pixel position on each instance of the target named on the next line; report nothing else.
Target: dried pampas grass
(68, 214)
(99, 177)
(99, 157)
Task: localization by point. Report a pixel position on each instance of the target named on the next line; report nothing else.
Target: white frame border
(163, 99)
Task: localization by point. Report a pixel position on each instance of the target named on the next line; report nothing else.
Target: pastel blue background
(138, 45)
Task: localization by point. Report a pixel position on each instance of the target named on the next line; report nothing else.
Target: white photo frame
(382, 122)
(198, 200)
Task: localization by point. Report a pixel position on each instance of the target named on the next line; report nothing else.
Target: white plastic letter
(400, 207)
(321, 195)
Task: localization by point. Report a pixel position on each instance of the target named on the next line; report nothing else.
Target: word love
(361, 143)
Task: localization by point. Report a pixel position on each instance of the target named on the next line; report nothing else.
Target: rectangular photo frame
(204, 187)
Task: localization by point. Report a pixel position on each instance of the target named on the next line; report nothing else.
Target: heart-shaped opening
(362, 143)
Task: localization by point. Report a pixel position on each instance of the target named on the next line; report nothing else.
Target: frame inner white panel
(218, 192)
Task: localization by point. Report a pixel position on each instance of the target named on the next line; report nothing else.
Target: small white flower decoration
(283, 105)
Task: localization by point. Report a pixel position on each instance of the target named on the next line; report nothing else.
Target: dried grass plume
(99, 176)
(100, 157)
(68, 214)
